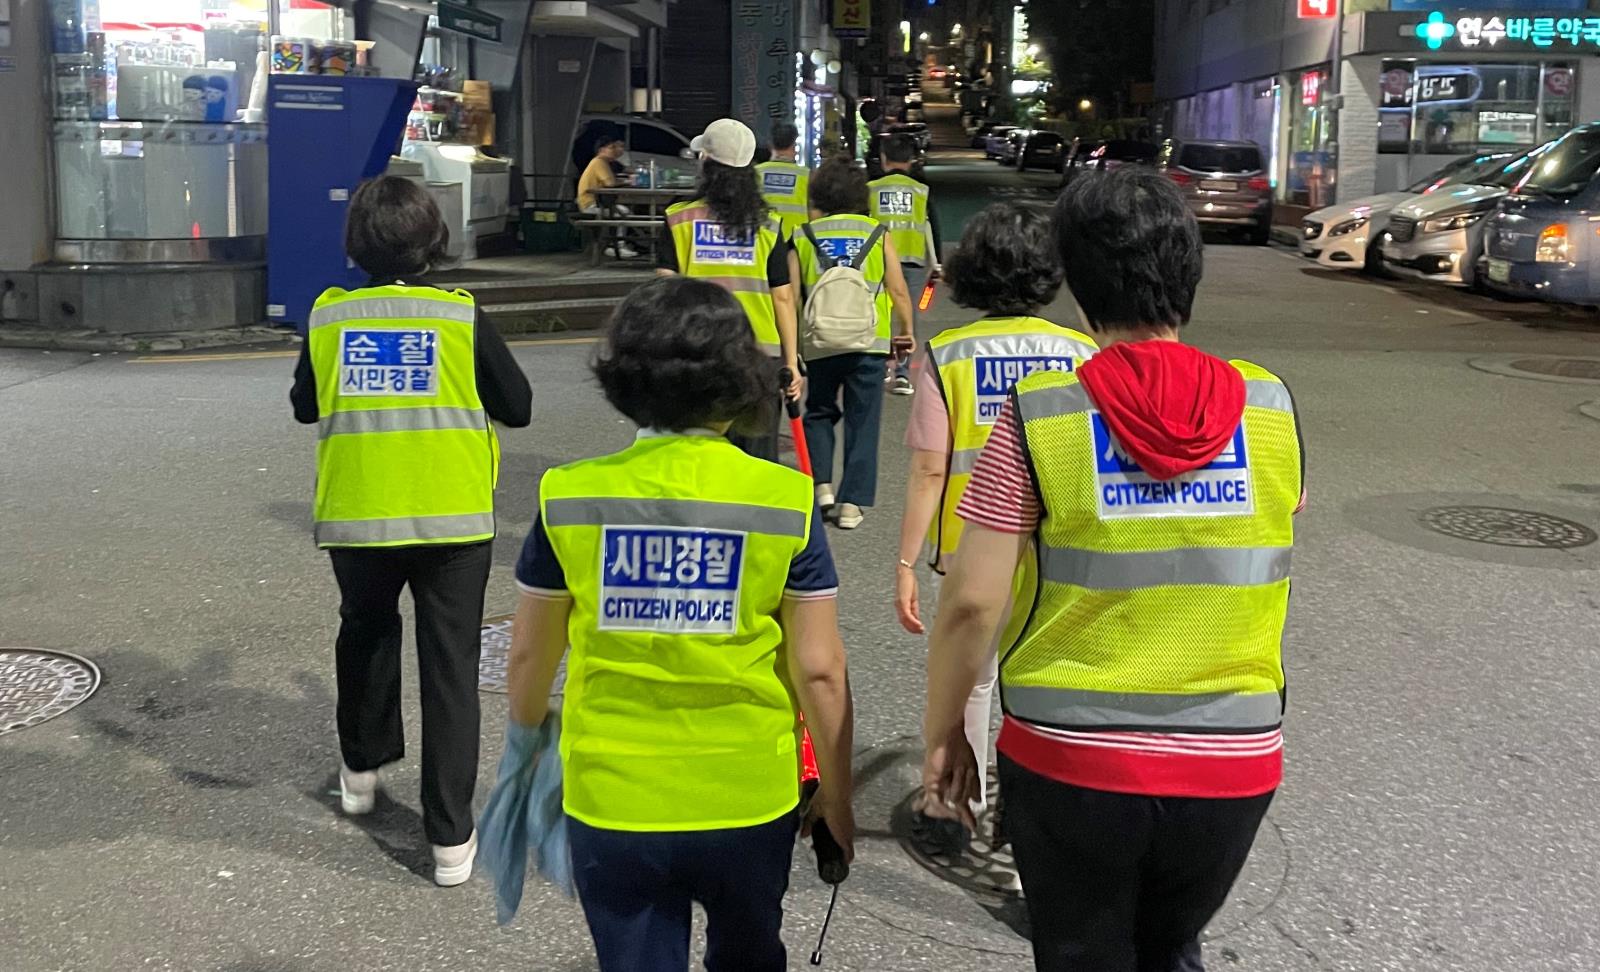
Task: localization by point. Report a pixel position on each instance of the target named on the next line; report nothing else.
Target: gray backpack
(841, 312)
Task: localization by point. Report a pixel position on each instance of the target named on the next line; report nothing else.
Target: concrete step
(521, 290)
(546, 316)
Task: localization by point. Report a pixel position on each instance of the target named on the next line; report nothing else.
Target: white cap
(728, 141)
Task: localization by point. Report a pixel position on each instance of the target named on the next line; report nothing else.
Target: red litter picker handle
(808, 757)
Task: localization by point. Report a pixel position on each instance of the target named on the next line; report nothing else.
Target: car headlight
(1553, 245)
(1452, 221)
(1348, 226)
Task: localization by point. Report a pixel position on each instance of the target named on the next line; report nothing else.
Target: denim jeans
(858, 379)
(637, 887)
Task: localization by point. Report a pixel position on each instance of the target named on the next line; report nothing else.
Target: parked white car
(1439, 237)
(1346, 236)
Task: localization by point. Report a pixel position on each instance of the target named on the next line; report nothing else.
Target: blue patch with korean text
(842, 250)
(718, 244)
(779, 183)
(994, 375)
(375, 361)
(896, 202)
(1222, 487)
(675, 580)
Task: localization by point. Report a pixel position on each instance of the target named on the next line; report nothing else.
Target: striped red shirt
(1001, 497)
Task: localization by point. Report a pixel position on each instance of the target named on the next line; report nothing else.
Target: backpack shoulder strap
(824, 261)
(872, 241)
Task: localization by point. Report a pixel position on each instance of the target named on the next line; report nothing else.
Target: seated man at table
(599, 175)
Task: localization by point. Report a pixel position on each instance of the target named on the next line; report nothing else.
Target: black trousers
(637, 889)
(447, 584)
(1121, 883)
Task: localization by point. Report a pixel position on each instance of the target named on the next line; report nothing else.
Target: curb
(48, 339)
(1286, 235)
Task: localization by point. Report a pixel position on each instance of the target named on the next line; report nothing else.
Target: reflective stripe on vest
(1216, 712)
(743, 517)
(901, 202)
(975, 367)
(1164, 613)
(746, 281)
(846, 226)
(401, 420)
(405, 452)
(676, 552)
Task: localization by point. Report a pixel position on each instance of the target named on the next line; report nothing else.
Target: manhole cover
(981, 869)
(1585, 368)
(494, 645)
(37, 685)
(1506, 527)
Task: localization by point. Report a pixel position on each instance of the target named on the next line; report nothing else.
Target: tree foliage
(1097, 47)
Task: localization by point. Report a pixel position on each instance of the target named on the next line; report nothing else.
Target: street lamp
(1033, 50)
(955, 30)
(923, 37)
(1085, 105)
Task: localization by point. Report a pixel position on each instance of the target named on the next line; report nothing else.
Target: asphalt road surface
(1439, 810)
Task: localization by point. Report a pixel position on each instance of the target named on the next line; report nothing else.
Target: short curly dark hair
(1131, 248)
(679, 353)
(839, 187)
(393, 228)
(1007, 262)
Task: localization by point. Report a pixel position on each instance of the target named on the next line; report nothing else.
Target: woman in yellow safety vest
(695, 587)
(1007, 268)
(727, 235)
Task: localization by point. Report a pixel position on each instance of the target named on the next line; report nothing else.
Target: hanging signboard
(1318, 9)
(852, 18)
(462, 19)
(763, 64)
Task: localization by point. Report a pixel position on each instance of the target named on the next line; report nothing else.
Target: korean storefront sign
(763, 64)
(852, 18)
(1488, 31)
(1318, 9)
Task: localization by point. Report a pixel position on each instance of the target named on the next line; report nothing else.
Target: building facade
(1419, 84)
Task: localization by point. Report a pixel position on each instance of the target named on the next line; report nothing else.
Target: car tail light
(1181, 178)
(1553, 245)
(1260, 184)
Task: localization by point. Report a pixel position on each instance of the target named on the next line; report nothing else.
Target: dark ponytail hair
(733, 195)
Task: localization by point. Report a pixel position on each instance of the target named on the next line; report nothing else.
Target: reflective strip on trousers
(401, 420)
(1224, 566)
(392, 309)
(401, 529)
(631, 511)
(1003, 345)
(1083, 709)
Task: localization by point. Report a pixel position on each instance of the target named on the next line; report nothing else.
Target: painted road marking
(256, 355)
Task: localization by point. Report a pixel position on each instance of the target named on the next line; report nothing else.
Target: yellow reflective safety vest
(707, 250)
(405, 453)
(976, 367)
(677, 714)
(902, 203)
(1161, 604)
(844, 236)
(786, 186)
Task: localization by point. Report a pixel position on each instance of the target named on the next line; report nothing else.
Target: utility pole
(1335, 96)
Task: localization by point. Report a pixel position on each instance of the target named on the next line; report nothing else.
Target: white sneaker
(453, 865)
(850, 516)
(902, 386)
(825, 497)
(358, 792)
(624, 251)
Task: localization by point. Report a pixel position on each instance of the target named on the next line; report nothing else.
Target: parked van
(1541, 241)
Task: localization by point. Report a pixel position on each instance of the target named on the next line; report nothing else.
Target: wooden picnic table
(645, 216)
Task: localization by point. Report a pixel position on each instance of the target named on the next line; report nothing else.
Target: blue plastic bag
(523, 816)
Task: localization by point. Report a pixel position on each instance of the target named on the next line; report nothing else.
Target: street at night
(1287, 587)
